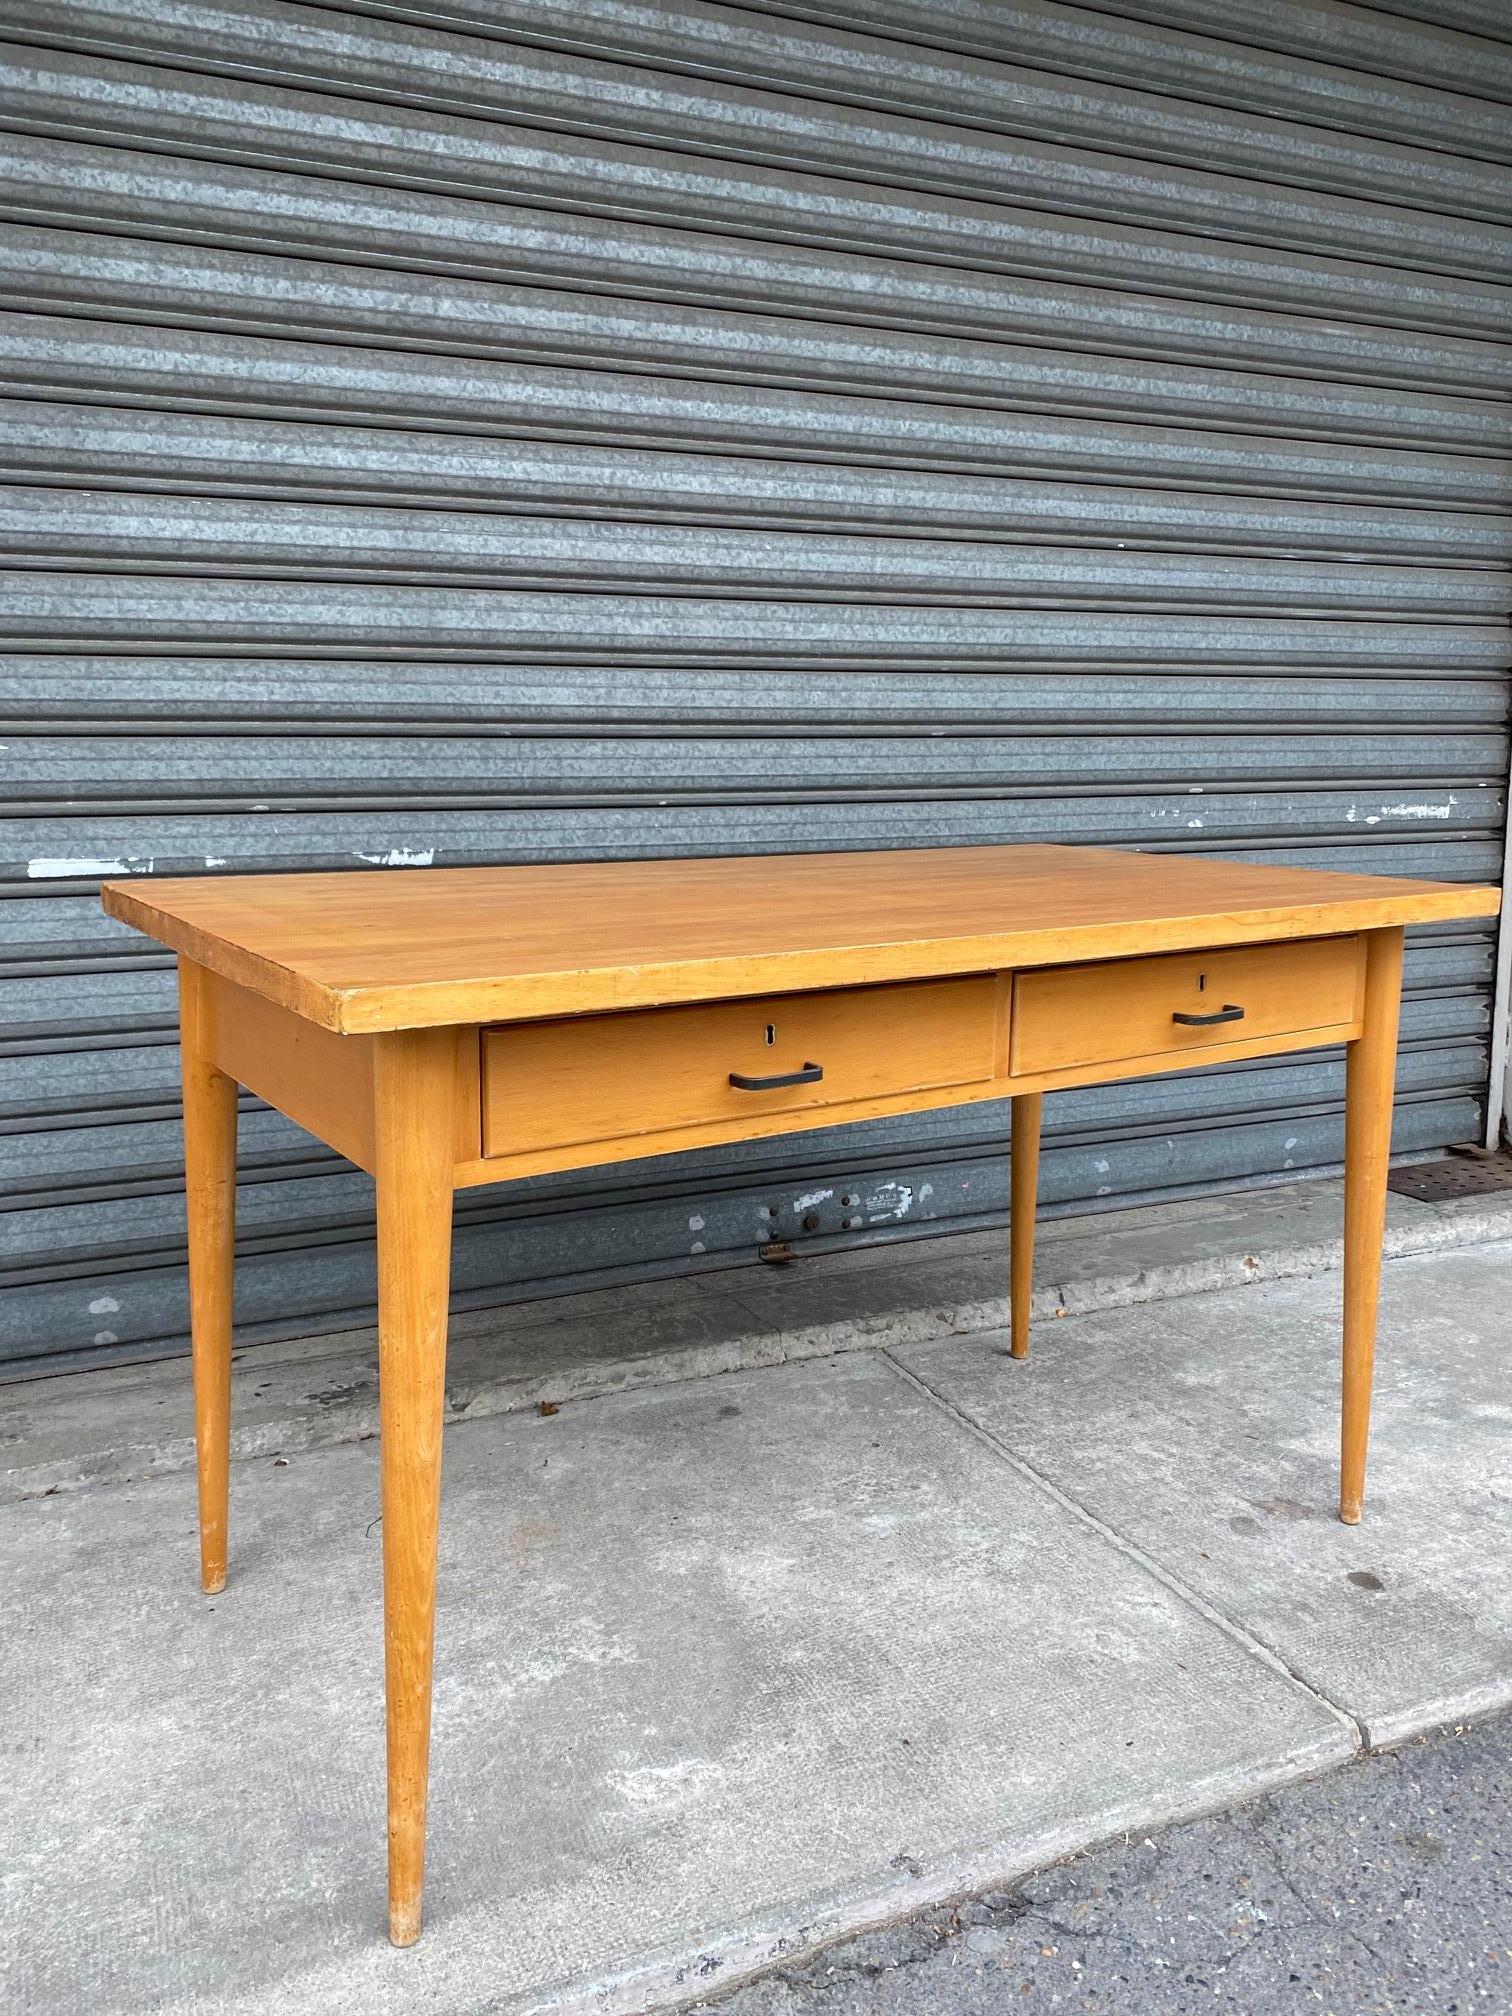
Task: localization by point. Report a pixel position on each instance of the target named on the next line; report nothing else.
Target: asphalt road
(1384, 1886)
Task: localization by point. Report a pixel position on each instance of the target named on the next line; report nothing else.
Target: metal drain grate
(1455, 1176)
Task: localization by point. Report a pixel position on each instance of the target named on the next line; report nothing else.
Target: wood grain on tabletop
(364, 951)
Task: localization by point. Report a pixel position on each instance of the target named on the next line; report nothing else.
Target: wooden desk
(457, 1026)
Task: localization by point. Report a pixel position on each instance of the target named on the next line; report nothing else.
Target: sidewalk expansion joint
(1256, 1647)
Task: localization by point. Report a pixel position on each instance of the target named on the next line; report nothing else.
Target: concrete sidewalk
(316, 1392)
(732, 1665)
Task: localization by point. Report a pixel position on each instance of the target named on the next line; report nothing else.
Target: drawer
(1122, 1009)
(621, 1082)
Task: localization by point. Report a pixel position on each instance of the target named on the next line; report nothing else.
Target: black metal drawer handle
(1227, 1013)
(809, 1075)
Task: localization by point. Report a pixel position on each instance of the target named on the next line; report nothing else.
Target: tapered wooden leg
(1370, 1086)
(210, 1200)
(414, 1091)
(1023, 1163)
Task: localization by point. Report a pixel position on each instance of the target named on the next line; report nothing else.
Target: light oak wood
(322, 1080)
(1124, 1010)
(475, 945)
(469, 1137)
(599, 1088)
(479, 1169)
(210, 1201)
(414, 1084)
(1023, 1172)
(1207, 1057)
(1369, 1091)
(449, 1028)
(929, 1033)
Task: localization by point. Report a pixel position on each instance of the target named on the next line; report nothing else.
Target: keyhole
(1201, 982)
(771, 1034)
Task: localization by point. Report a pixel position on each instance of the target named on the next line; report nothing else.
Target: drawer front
(1122, 1009)
(608, 1079)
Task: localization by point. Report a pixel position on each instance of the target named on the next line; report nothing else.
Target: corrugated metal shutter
(485, 430)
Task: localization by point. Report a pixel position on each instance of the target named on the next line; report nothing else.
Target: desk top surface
(413, 948)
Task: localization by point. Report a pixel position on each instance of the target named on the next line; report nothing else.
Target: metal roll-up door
(471, 431)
